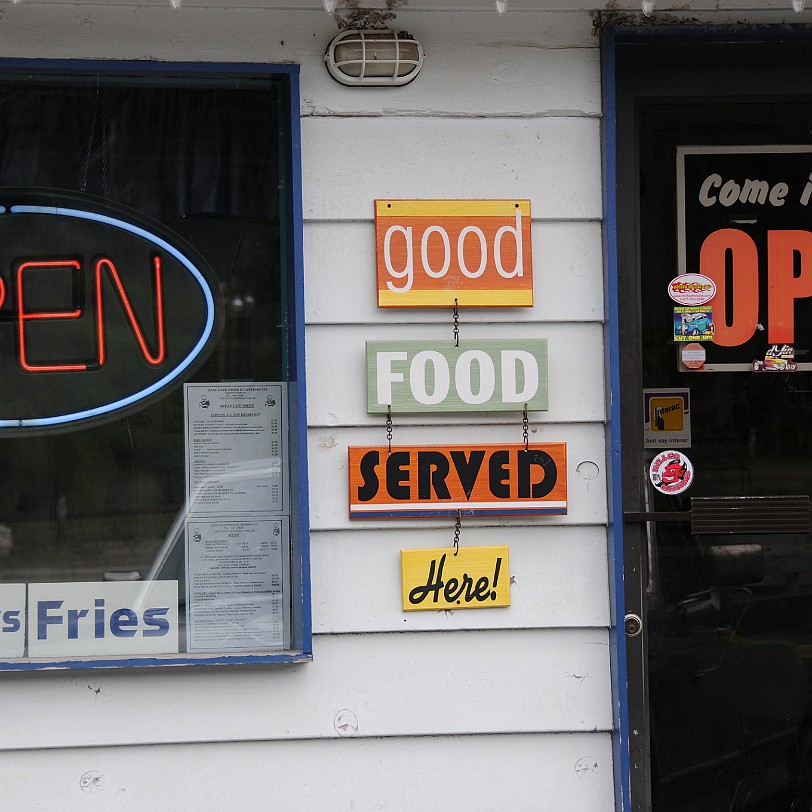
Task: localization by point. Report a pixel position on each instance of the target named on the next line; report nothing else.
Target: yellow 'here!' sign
(475, 578)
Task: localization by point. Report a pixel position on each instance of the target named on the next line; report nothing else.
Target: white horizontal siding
(341, 289)
(506, 116)
(511, 50)
(337, 377)
(514, 703)
(507, 69)
(565, 773)
(408, 684)
(555, 162)
(559, 579)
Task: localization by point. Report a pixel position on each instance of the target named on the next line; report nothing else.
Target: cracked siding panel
(508, 69)
(564, 772)
(559, 579)
(418, 684)
(340, 262)
(337, 381)
(109, 30)
(484, 9)
(347, 163)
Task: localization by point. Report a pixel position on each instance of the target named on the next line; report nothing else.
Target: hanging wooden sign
(477, 376)
(433, 252)
(474, 578)
(477, 480)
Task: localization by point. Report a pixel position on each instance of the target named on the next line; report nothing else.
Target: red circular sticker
(671, 472)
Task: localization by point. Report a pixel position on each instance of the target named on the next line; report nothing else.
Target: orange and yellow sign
(433, 252)
(476, 480)
(473, 578)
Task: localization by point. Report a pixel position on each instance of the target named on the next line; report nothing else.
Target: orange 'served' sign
(431, 253)
(476, 480)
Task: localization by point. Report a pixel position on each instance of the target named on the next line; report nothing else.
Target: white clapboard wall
(496, 709)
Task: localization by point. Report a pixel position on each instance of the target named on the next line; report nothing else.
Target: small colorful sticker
(693, 356)
(693, 324)
(778, 358)
(671, 472)
(692, 289)
(667, 418)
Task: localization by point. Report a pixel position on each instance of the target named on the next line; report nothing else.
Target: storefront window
(149, 485)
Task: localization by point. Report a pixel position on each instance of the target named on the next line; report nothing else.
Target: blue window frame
(152, 222)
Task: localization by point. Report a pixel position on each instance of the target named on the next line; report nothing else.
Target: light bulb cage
(374, 58)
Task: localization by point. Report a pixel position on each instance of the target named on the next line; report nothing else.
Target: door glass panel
(730, 615)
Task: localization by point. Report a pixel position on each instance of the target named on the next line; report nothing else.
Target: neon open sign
(101, 309)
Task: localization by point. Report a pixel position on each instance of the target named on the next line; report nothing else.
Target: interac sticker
(477, 480)
(475, 578)
(431, 253)
(667, 418)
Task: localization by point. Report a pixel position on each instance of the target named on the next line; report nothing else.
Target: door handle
(736, 515)
(634, 517)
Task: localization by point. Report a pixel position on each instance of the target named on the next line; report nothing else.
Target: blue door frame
(628, 689)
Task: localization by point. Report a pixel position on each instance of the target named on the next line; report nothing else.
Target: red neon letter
(23, 317)
(744, 256)
(2, 292)
(783, 287)
(106, 264)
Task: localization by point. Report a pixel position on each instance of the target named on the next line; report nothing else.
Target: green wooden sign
(477, 376)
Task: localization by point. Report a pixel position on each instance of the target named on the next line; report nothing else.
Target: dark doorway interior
(725, 677)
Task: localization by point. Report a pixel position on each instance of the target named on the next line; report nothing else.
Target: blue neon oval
(177, 371)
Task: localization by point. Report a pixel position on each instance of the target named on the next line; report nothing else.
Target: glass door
(716, 379)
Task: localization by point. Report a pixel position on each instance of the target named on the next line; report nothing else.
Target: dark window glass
(204, 158)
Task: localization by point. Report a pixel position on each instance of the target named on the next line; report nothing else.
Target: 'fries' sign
(433, 252)
(477, 480)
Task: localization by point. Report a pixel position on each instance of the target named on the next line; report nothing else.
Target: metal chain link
(389, 427)
(104, 146)
(456, 320)
(83, 179)
(457, 527)
(99, 105)
(525, 428)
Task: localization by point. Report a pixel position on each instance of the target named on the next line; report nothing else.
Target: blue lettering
(99, 618)
(73, 622)
(123, 623)
(44, 619)
(12, 619)
(153, 617)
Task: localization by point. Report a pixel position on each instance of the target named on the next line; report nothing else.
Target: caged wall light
(374, 58)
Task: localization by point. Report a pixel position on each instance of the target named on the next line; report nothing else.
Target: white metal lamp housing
(374, 58)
